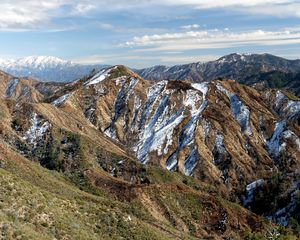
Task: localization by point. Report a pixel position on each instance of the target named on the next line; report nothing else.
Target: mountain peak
(34, 62)
(111, 72)
(37, 60)
(46, 68)
(233, 57)
(245, 68)
(246, 56)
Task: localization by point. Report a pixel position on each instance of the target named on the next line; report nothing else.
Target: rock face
(113, 126)
(249, 69)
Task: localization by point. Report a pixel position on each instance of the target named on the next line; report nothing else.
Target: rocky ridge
(264, 69)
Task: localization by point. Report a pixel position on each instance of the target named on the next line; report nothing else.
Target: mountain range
(115, 156)
(264, 69)
(47, 68)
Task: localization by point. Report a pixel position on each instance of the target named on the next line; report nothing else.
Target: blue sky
(144, 33)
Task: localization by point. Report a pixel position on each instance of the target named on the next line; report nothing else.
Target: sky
(143, 33)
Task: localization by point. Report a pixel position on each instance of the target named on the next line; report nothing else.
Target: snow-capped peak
(234, 57)
(46, 68)
(34, 61)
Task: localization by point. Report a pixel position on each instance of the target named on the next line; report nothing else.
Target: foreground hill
(249, 69)
(128, 158)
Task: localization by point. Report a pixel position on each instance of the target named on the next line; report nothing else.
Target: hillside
(114, 156)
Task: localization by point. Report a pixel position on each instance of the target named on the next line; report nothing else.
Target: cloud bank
(213, 39)
(35, 14)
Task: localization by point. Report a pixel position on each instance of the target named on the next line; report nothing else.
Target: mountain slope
(105, 193)
(244, 68)
(226, 134)
(110, 140)
(47, 68)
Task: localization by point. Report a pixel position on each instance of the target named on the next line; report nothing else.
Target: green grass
(51, 207)
(36, 203)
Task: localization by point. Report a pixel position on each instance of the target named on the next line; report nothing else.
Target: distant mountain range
(261, 70)
(47, 68)
(249, 69)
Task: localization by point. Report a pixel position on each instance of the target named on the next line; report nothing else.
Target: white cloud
(82, 8)
(141, 61)
(111, 4)
(115, 59)
(105, 26)
(25, 14)
(189, 27)
(281, 8)
(90, 59)
(32, 14)
(22, 15)
(211, 39)
(227, 3)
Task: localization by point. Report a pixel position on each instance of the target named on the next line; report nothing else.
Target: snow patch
(172, 162)
(11, 87)
(120, 81)
(153, 92)
(111, 133)
(288, 134)
(191, 162)
(188, 133)
(250, 188)
(279, 98)
(224, 90)
(202, 87)
(191, 100)
(36, 131)
(292, 108)
(275, 144)
(206, 128)
(240, 111)
(58, 102)
(99, 77)
(241, 114)
(286, 107)
(154, 138)
(219, 143)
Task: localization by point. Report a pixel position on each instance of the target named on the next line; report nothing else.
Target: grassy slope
(39, 204)
(36, 203)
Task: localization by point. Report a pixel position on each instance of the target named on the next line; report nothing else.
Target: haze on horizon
(144, 33)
